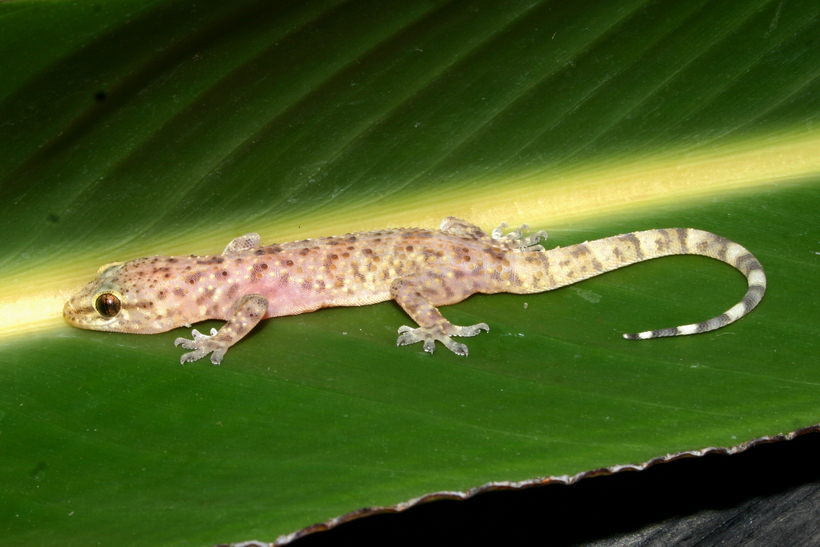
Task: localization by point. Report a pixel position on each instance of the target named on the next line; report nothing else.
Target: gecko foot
(429, 335)
(514, 239)
(202, 344)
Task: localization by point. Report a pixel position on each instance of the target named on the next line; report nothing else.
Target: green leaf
(170, 127)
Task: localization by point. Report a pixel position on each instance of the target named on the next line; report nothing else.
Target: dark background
(768, 495)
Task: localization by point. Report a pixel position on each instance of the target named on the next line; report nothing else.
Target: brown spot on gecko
(660, 244)
(683, 237)
(204, 261)
(232, 290)
(194, 278)
(579, 251)
(636, 243)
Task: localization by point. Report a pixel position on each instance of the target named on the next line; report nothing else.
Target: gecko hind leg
(429, 335)
(514, 239)
(432, 325)
(461, 228)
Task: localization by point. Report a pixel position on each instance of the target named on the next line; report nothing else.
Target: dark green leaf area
(236, 113)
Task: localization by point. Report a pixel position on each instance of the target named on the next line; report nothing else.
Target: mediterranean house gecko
(418, 268)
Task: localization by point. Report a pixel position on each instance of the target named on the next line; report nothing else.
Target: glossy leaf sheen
(138, 127)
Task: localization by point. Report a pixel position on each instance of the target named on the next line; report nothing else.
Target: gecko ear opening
(107, 304)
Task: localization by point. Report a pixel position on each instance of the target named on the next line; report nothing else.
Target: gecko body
(420, 269)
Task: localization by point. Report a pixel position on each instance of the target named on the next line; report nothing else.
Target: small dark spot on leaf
(39, 468)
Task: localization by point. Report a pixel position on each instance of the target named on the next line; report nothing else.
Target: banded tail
(656, 243)
(568, 265)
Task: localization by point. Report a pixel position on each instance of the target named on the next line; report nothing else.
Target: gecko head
(112, 302)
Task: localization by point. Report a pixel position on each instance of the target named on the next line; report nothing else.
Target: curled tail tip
(674, 331)
(639, 335)
(731, 253)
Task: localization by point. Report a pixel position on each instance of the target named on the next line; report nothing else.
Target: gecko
(419, 268)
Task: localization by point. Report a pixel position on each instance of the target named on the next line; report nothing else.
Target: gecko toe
(515, 239)
(217, 355)
(192, 356)
(202, 345)
(430, 335)
(472, 330)
(455, 347)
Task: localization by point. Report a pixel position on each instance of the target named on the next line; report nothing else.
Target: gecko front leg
(247, 242)
(247, 312)
(432, 325)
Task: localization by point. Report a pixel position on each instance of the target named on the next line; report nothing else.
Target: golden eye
(107, 305)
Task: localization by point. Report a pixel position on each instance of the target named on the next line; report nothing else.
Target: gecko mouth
(74, 315)
(84, 316)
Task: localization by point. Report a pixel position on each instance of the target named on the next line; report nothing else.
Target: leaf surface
(170, 127)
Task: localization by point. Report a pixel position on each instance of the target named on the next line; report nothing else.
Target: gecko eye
(107, 305)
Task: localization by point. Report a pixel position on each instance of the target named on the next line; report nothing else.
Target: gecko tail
(751, 268)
